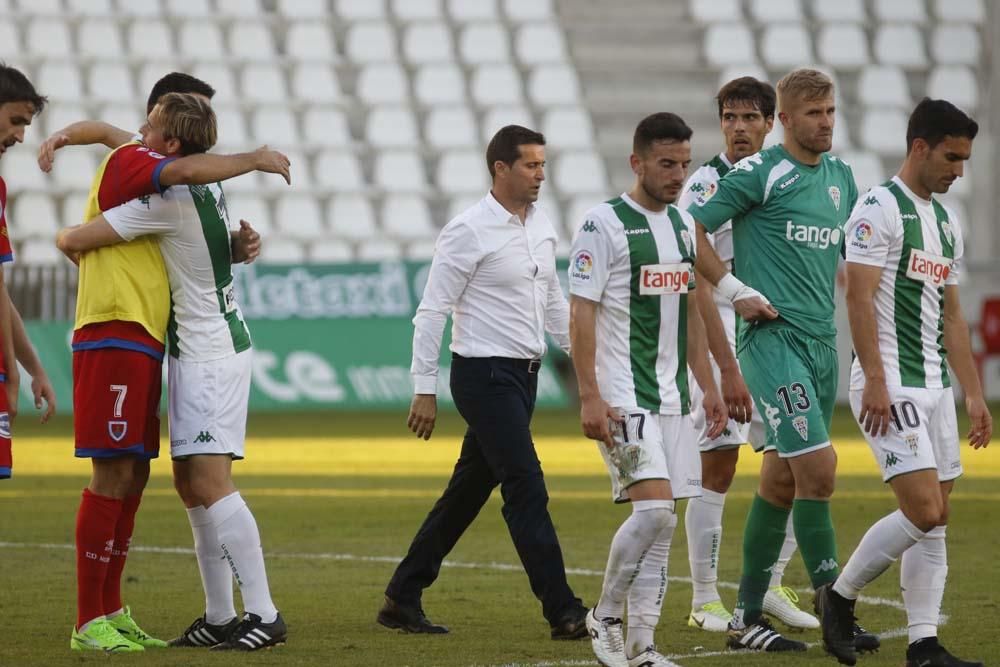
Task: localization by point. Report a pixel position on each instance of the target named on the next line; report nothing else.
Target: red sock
(123, 537)
(95, 535)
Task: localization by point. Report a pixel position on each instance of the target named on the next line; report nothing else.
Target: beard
(658, 195)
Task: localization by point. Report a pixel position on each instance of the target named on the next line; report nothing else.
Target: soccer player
(118, 342)
(210, 366)
(788, 205)
(19, 104)
(904, 263)
(746, 113)
(634, 330)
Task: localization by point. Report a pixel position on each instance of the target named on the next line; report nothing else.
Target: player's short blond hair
(190, 119)
(803, 85)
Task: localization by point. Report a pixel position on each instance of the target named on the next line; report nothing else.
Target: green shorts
(793, 379)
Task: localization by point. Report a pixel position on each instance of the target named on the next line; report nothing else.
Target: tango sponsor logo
(664, 279)
(928, 268)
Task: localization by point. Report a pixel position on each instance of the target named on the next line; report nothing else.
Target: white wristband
(729, 286)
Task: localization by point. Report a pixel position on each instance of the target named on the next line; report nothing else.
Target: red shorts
(116, 403)
(6, 463)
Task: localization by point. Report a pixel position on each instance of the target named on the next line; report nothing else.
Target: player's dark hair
(178, 82)
(747, 90)
(933, 120)
(15, 87)
(662, 126)
(505, 146)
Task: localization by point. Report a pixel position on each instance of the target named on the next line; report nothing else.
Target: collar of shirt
(504, 215)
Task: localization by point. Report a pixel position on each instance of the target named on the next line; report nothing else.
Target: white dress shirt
(497, 279)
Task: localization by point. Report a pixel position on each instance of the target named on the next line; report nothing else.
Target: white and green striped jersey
(639, 266)
(192, 224)
(703, 183)
(918, 245)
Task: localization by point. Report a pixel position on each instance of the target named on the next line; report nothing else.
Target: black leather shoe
(407, 618)
(572, 624)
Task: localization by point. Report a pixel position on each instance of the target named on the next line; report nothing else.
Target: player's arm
(557, 313)
(956, 341)
(78, 239)
(734, 390)
(205, 168)
(716, 414)
(24, 351)
(862, 284)
(13, 377)
(595, 412)
(83, 133)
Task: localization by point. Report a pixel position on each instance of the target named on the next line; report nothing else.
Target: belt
(529, 365)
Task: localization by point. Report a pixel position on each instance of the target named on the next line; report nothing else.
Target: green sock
(817, 540)
(762, 539)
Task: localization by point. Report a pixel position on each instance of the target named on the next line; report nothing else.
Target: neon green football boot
(100, 635)
(130, 630)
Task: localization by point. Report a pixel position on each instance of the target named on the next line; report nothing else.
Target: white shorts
(654, 446)
(736, 434)
(208, 405)
(923, 433)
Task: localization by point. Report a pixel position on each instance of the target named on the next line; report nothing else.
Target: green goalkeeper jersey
(788, 231)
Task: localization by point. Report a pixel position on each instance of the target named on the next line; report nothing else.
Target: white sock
(216, 577)
(787, 551)
(240, 542)
(884, 542)
(628, 548)
(703, 524)
(645, 597)
(922, 575)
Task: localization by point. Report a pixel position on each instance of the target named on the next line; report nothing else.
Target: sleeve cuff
(425, 384)
(156, 173)
(867, 261)
(590, 295)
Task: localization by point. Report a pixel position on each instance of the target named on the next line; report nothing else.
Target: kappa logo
(697, 187)
(891, 460)
(771, 413)
(706, 193)
(144, 200)
(826, 565)
(908, 217)
(790, 181)
(204, 436)
(871, 201)
(801, 425)
(589, 226)
(117, 429)
(637, 232)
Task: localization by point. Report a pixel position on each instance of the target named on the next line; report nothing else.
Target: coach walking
(494, 272)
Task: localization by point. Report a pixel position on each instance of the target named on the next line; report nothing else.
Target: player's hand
(273, 162)
(736, 396)
(716, 415)
(47, 151)
(755, 308)
(249, 242)
(981, 423)
(875, 408)
(42, 390)
(596, 417)
(12, 385)
(423, 412)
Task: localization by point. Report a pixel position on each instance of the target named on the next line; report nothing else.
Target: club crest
(801, 425)
(913, 442)
(686, 237)
(948, 233)
(117, 430)
(835, 196)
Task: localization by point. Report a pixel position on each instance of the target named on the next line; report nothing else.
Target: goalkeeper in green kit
(788, 204)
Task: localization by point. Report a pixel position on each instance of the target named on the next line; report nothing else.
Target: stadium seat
(56, 116)
(379, 250)
(553, 85)
(360, 10)
(786, 46)
(310, 41)
(496, 84)
(325, 127)
(501, 115)
(867, 168)
(126, 116)
(461, 203)
(956, 84)
(277, 250)
(337, 170)
(955, 45)
(428, 42)
(220, 77)
(253, 209)
(275, 126)
(901, 45)
(247, 183)
(775, 11)
(74, 206)
(484, 43)
(884, 131)
(315, 83)
(731, 72)
(60, 80)
(110, 81)
(550, 206)
(263, 83)
(843, 46)
(143, 9)
(371, 42)
(400, 171)
(962, 186)
(729, 44)
(33, 216)
(150, 39)
(201, 40)
(568, 127)
(416, 10)
(74, 169)
(19, 169)
(304, 9)
(48, 39)
(232, 125)
(579, 172)
(329, 251)
(523, 11)
(900, 11)
(10, 40)
(960, 11)
(391, 127)
(351, 217)
(883, 85)
(302, 178)
(188, 8)
(464, 11)
(89, 7)
(407, 218)
(382, 84)
(251, 41)
(539, 44)
(439, 84)
(298, 216)
(241, 8)
(462, 172)
(99, 38)
(715, 12)
(40, 252)
(420, 251)
(451, 127)
(843, 10)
